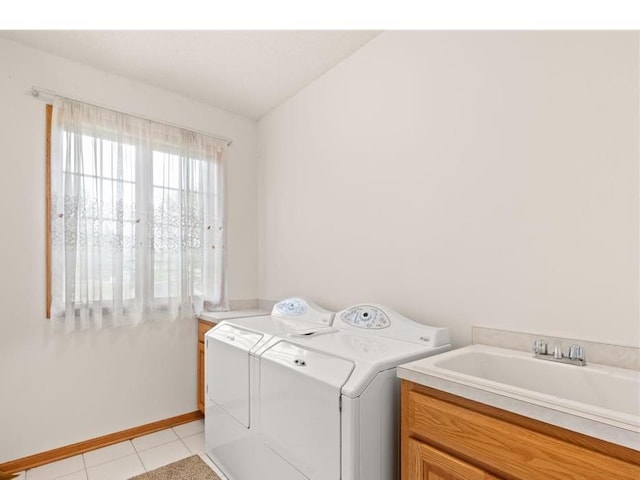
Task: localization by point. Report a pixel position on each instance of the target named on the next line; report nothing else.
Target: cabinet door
(427, 463)
(201, 376)
(203, 327)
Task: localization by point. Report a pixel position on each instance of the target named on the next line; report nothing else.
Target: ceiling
(245, 72)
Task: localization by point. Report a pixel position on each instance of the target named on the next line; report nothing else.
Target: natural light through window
(137, 219)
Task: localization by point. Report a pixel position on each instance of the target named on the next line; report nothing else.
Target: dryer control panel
(365, 316)
(379, 320)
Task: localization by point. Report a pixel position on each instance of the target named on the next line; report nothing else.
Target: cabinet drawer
(509, 450)
(204, 327)
(431, 463)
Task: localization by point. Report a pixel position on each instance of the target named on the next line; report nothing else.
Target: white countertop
(219, 316)
(546, 407)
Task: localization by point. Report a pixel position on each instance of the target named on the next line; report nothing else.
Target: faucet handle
(576, 352)
(540, 347)
(557, 351)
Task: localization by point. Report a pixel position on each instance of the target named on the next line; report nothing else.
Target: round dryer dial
(366, 316)
(292, 306)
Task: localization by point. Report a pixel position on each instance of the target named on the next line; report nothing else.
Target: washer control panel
(291, 306)
(365, 316)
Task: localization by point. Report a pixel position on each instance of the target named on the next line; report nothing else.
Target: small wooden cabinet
(433, 464)
(446, 437)
(203, 327)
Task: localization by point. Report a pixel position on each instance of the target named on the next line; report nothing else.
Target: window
(136, 217)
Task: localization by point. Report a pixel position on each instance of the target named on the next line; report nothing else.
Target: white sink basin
(592, 398)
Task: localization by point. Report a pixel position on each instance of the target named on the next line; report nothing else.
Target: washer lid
(370, 354)
(294, 316)
(270, 326)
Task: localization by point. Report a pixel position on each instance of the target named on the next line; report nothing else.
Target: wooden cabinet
(203, 327)
(429, 463)
(449, 437)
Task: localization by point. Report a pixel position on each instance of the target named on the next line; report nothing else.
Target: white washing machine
(325, 405)
(231, 382)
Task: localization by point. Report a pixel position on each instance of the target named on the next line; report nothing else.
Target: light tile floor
(127, 459)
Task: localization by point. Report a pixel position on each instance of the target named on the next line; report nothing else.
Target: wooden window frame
(48, 206)
(48, 124)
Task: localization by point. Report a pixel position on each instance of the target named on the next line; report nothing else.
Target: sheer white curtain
(137, 220)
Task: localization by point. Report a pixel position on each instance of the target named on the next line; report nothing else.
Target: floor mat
(190, 468)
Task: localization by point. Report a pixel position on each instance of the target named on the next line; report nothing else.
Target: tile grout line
(138, 455)
(86, 467)
(182, 441)
(84, 462)
(83, 469)
(155, 446)
(185, 446)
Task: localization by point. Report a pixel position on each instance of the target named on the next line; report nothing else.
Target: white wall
(461, 178)
(486, 178)
(59, 389)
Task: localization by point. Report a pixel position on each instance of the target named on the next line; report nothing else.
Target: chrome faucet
(576, 354)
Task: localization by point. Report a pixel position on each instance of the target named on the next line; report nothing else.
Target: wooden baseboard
(86, 446)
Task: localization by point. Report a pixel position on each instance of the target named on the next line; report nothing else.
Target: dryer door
(300, 407)
(227, 369)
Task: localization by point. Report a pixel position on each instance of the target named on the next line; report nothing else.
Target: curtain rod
(37, 91)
